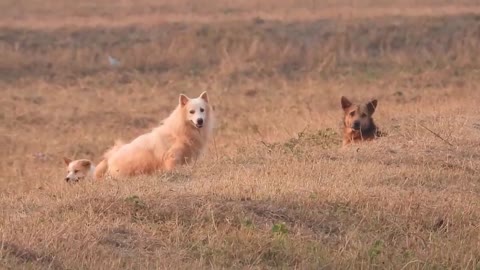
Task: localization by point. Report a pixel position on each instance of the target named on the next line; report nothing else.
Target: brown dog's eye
(364, 115)
(192, 112)
(76, 171)
(202, 110)
(352, 113)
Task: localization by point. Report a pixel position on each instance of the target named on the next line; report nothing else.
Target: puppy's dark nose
(356, 125)
(200, 121)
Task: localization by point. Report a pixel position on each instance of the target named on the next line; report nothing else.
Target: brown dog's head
(358, 117)
(77, 169)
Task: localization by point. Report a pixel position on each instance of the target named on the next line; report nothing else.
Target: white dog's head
(197, 109)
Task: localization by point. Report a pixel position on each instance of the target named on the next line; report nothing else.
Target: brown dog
(358, 122)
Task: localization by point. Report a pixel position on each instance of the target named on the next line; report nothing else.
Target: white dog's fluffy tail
(115, 147)
(102, 167)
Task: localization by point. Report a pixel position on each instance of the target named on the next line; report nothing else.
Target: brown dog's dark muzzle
(356, 125)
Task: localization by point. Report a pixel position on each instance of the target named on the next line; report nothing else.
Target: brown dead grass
(275, 189)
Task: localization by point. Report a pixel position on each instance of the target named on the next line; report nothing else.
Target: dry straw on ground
(275, 190)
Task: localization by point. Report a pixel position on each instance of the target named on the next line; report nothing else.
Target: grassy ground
(274, 190)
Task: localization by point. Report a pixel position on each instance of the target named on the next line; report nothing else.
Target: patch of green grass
(135, 200)
(279, 229)
(375, 250)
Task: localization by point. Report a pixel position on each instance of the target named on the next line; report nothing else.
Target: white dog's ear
(183, 100)
(67, 160)
(204, 96)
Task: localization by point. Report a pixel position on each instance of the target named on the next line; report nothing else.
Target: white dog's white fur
(180, 138)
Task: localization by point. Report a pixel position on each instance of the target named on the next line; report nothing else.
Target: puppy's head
(77, 169)
(196, 109)
(358, 117)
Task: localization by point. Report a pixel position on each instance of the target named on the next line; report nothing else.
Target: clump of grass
(306, 141)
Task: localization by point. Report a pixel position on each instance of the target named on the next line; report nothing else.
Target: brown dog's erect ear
(372, 105)
(204, 96)
(183, 100)
(346, 103)
(67, 160)
(86, 163)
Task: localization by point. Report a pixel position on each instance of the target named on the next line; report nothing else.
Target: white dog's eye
(192, 112)
(202, 110)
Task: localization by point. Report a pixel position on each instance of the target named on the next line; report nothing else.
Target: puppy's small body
(78, 169)
(180, 138)
(358, 124)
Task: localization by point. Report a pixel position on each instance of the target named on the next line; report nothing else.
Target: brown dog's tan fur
(358, 124)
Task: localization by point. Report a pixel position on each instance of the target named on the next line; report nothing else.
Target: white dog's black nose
(199, 121)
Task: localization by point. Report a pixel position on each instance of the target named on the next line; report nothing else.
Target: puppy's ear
(204, 96)
(372, 105)
(67, 160)
(183, 100)
(346, 103)
(86, 163)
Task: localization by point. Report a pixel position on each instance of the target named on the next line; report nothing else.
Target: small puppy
(78, 169)
(358, 124)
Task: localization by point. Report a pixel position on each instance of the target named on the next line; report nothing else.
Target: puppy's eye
(364, 115)
(76, 171)
(202, 110)
(192, 112)
(352, 113)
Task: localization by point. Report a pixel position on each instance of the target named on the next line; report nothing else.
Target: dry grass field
(275, 190)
